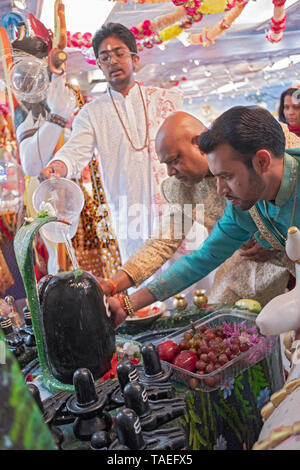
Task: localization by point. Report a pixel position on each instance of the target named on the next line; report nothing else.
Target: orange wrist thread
(114, 286)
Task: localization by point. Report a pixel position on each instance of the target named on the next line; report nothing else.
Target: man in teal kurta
(245, 149)
(230, 232)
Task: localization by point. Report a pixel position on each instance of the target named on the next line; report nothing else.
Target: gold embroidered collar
(288, 180)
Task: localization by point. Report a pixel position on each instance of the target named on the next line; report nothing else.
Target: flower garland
(79, 40)
(148, 28)
(163, 29)
(209, 35)
(141, 2)
(166, 27)
(83, 42)
(277, 27)
(150, 32)
(213, 7)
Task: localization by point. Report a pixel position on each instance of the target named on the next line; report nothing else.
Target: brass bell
(180, 302)
(13, 311)
(200, 299)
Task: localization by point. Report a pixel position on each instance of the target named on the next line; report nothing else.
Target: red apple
(167, 350)
(186, 360)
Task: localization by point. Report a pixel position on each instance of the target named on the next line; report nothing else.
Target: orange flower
(112, 373)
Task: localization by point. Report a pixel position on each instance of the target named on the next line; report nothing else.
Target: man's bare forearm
(122, 280)
(141, 298)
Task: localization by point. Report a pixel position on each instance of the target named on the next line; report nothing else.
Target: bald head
(177, 126)
(176, 145)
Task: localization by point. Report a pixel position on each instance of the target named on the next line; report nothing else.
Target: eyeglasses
(119, 53)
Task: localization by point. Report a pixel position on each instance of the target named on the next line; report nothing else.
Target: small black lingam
(152, 414)
(130, 435)
(27, 329)
(87, 406)
(76, 324)
(127, 373)
(100, 440)
(13, 339)
(154, 371)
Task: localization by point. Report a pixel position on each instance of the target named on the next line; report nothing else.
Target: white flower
(46, 206)
(130, 349)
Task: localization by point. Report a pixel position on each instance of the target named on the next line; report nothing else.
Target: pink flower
(134, 30)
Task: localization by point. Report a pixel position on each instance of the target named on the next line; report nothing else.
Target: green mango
(252, 305)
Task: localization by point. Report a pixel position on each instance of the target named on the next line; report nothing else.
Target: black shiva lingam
(136, 425)
(71, 323)
(154, 371)
(88, 407)
(152, 414)
(130, 435)
(127, 373)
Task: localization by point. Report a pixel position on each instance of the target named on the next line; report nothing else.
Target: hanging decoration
(79, 40)
(163, 28)
(187, 12)
(277, 27)
(141, 2)
(148, 28)
(209, 35)
(150, 33)
(83, 42)
(194, 10)
(216, 6)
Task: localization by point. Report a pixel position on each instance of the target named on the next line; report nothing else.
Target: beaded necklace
(123, 125)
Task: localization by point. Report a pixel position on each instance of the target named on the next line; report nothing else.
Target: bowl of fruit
(146, 316)
(212, 351)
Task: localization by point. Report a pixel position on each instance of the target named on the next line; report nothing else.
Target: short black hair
(288, 92)
(246, 130)
(114, 29)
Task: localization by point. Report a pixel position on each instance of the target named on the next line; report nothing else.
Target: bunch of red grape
(203, 351)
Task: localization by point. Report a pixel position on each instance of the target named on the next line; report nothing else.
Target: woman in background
(289, 109)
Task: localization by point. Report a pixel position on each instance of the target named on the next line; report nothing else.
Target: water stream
(71, 252)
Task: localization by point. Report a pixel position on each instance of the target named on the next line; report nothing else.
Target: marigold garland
(187, 12)
(193, 10)
(216, 6)
(171, 32)
(79, 40)
(148, 28)
(209, 35)
(141, 2)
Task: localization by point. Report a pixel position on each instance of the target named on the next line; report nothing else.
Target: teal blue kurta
(233, 230)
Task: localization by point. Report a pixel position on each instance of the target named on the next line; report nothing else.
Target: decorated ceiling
(212, 55)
